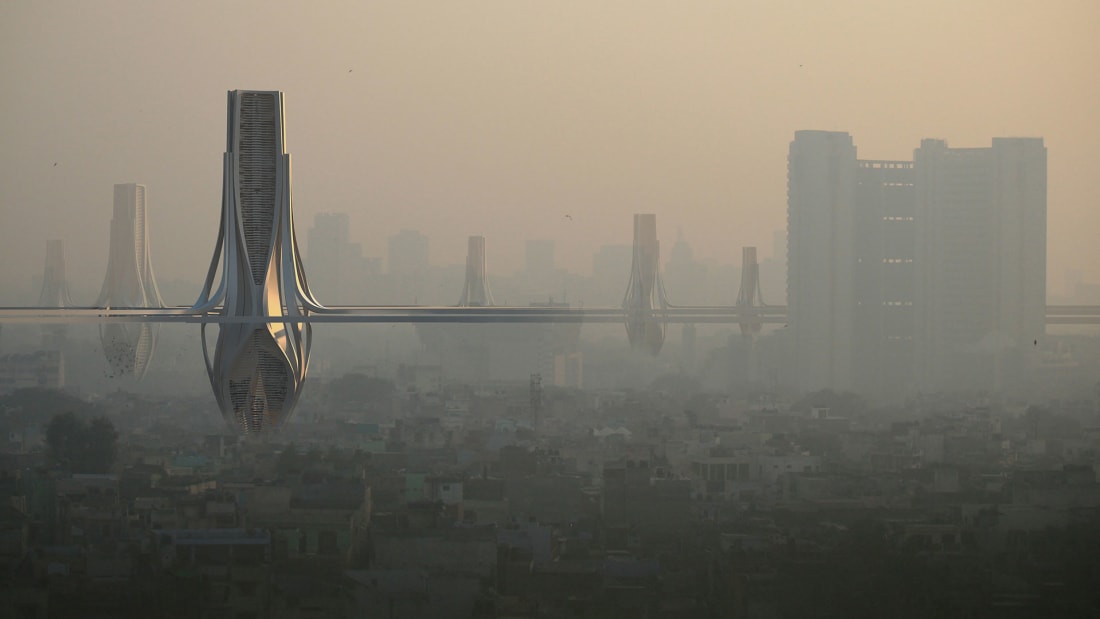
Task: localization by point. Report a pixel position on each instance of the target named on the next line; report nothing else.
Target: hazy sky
(500, 118)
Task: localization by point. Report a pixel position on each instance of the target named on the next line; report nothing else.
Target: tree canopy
(34, 402)
(82, 446)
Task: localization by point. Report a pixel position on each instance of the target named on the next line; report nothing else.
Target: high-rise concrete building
(980, 257)
(884, 226)
(538, 264)
(339, 273)
(821, 299)
(685, 277)
(129, 282)
(610, 273)
(327, 249)
(407, 254)
(907, 276)
(407, 269)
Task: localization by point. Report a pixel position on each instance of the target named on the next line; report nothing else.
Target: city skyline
(681, 111)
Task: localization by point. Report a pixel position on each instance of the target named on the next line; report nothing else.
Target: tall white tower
(257, 367)
(130, 282)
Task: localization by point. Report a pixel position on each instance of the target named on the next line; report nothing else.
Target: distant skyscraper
(773, 270)
(821, 299)
(884, 239)
(327, 253)
(130, 282)
(610, 274)
(407, 254)
(981, 262)
(905, 276)
(338, 271)
(258, 366)
(685, 278)
(539, 262)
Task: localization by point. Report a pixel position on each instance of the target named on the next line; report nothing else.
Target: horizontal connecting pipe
(1056, 315)
(373, 314)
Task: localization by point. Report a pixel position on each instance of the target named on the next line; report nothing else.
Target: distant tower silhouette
(748, 297)
(130, 282)
(645, 292)
(257, 368)
(54, 293)
(475, 293)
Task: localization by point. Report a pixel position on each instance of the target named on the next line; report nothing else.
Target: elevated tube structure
(261, 355)
(130, 282)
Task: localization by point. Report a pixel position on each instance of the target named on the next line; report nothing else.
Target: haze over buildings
(499, 119)
(902, 267)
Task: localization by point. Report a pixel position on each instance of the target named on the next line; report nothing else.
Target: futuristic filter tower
(645, 294)
(130, 282)
(475, 292)
(257, 366)
(54, 293)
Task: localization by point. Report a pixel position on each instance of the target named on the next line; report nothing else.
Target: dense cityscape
(536, 344)
(555, 470)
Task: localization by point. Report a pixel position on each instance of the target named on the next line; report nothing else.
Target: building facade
(915, 276)
(884, 270)
(339, 273)
(821, 297)
(980, 250)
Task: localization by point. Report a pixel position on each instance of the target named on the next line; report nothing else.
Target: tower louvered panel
(256, 169)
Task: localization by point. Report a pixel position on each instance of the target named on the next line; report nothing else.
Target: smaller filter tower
(130, 282)
(475, 292)
(645, 293)
(54, 293)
